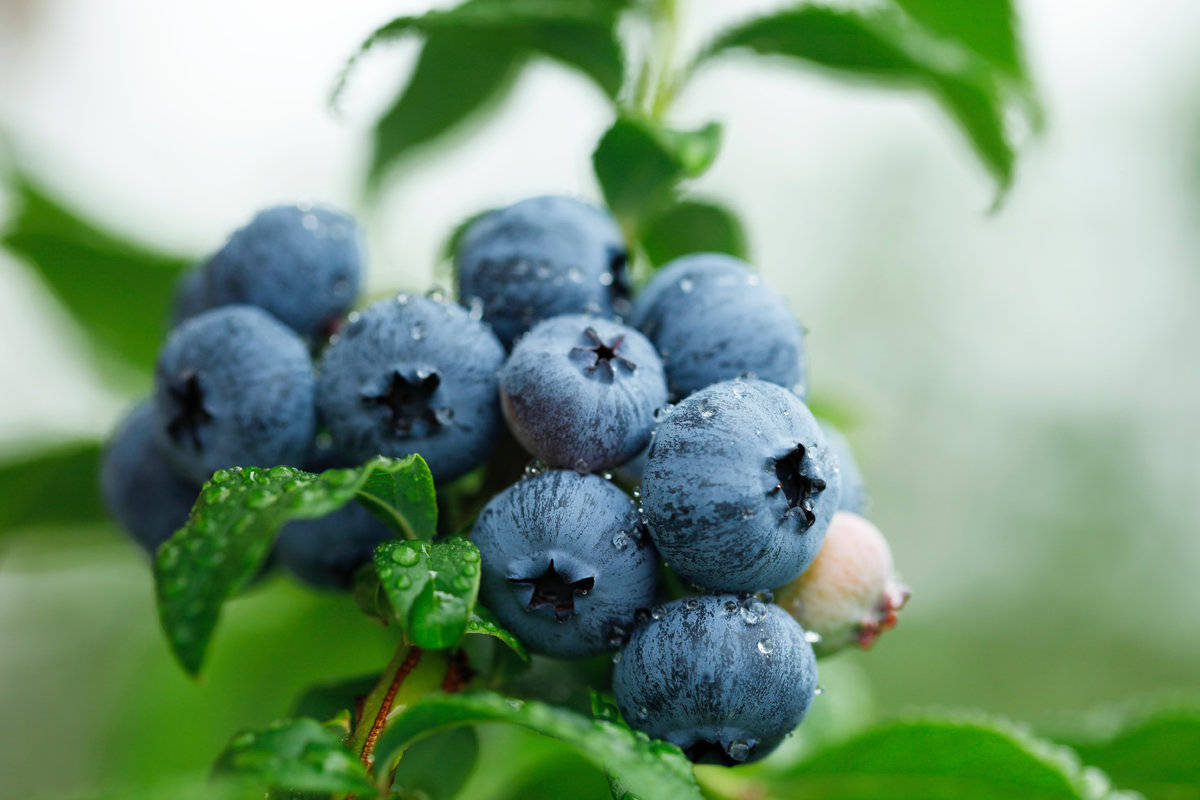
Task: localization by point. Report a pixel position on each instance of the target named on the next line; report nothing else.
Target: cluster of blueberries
(735, 486)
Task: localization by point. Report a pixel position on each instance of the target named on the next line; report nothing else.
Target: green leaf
(639, 163)
(454, 240)
(431, 588)
(947, 758)
(884, 45)
(297, 755)
(325, 701)
(456, 75)
(484, 622)
(118, 291)
(473, 52)
(1152, 751)
(59, 486)
(988, 27)
(236, 518)
(692, 226)
(436, 768)
(650, 769)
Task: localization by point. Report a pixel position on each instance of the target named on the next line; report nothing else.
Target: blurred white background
(1026, 383)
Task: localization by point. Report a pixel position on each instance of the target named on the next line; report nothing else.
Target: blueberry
(850, 594)
(413, 375)
(854, 490)
(581, 392)
(739, 486)
(302, 263)
(234, 387)
(327, 551)
(191, 296)
(540, 258)
(565, 563)
(140, 486)
(712, 320)
(723, 678)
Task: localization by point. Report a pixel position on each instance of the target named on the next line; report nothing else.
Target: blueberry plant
(597, 459)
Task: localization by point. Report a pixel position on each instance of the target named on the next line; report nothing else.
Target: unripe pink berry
(850, 593)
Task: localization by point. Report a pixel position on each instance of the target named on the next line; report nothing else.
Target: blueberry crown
(190, 416)
(552, 590)
(800, 485)
(409, 399)
(599, 357)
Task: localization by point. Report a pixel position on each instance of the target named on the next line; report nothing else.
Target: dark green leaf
(639, 163)
(234, 523)
(884, 45)
(456, 75)
(431, 588)
(943, 758)
(484, 622)
(59, 486)
(327, 700)
(988, 27)
(651, 769)
(473, 52)
(1154, 752)
(436, 768)
(298, 755)
(117, 290)
(605, 707)
(692, 226)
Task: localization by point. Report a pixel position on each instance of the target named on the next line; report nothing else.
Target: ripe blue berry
(854, 490)
(739, 486)
(234, 387)
(327, 551)
(581, 392)
(723, 678)
(302, 263)
(140, 486)
(712, 319)
(540, 258)
(565, 563)
(413, 375)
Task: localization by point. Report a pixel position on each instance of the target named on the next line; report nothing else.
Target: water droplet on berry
(608, 476)
(574, 275)
(820, 690)
(310, 222)
(692, 603)
(731, 606)
(402, 298)
(738, 751)
(812, 637)
(662, 413)
(606, 279)
(475, 308)
(643, 712)
(417, 331)
(436, 294)
(686, 285)
(765, 647)
(620, 540)
(616, 658)
(753, 613)
(581, 466)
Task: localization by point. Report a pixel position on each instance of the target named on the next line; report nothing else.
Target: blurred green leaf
(988, 27)
(294, 755)
(566, 769)
(472, 53)
(431, 588)
(942, 758)
(639, 163)
(651, 769)
(58, 486)
(692, 226)
(325, 701)
(118, 291)
(436, 768)
(1155, 752)
(454, 240)
(485, 623)
(883, 44)
(457, 74)
(234, 523)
